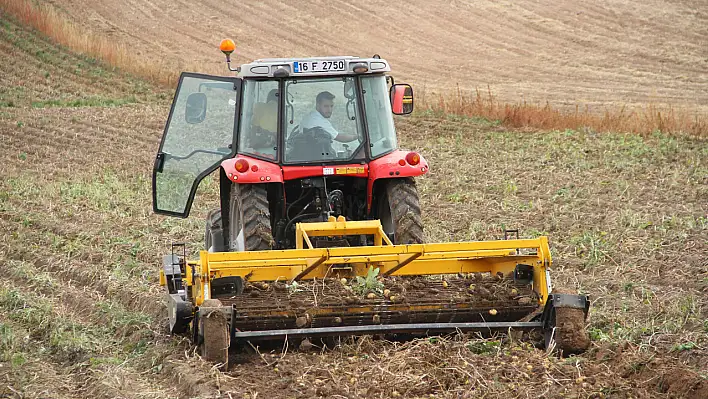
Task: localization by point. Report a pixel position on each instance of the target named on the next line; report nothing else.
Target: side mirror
(349, 88)
(401, 99)
(195, 110)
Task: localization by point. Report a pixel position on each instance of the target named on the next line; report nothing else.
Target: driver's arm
(345, 138)
(341, 137)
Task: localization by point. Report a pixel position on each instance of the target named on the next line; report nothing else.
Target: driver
(320, 118)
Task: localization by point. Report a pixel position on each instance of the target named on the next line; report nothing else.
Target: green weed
(483, 347)
(119, 317)
(24, 271)
(368, 284)
(10, 346)
(293, 288)
(65, 337)
(685, 346)
(592, 246)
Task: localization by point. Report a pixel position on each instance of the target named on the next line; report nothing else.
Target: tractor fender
(259, 171)
(389, 167)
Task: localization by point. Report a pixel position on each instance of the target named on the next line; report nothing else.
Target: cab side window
(259, 126)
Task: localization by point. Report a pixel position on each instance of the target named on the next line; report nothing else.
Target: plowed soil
(604, 54)
(80, 306)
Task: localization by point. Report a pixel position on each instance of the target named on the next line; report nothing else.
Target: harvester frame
(525, 261)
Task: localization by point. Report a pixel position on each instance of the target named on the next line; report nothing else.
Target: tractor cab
(316, 110)
(285, 112)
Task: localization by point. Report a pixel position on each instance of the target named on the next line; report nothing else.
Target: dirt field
(608, 54)
(80, 314)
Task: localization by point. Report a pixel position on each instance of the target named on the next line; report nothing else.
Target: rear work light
(241, 165)
(413, 158)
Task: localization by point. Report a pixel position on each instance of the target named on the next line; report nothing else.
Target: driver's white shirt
(315, 119)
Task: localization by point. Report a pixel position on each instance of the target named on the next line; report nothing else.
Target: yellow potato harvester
(319, 229)
(220, 323)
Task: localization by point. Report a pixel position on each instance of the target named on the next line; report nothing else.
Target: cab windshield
(322, 120)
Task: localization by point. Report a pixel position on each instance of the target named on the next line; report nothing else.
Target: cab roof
(312, 66)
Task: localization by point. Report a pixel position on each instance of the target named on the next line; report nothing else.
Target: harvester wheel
(399, 212)
(569, 333)
(249, 218)
(568, 321)
(214, 328)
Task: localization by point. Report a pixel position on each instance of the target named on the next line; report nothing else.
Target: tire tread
(405, 211)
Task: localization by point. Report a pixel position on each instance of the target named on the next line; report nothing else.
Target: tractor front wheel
(399, 212)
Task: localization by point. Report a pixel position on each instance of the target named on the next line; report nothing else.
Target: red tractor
(295, 140)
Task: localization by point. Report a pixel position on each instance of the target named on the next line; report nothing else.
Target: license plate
(318, 66)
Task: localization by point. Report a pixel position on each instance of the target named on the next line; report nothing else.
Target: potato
(525, 301)
(371, 295)
(493, 312)
(301, 322)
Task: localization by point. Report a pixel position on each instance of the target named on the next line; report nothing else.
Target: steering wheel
(312, 142)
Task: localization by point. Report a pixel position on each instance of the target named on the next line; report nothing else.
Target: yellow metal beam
(458, 249)
(402, 261)
(311, 265)
(339, 227)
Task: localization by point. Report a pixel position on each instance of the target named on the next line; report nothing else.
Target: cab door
(199, 134)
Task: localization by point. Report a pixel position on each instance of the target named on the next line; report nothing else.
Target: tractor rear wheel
(399, 212)
(249, 218)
